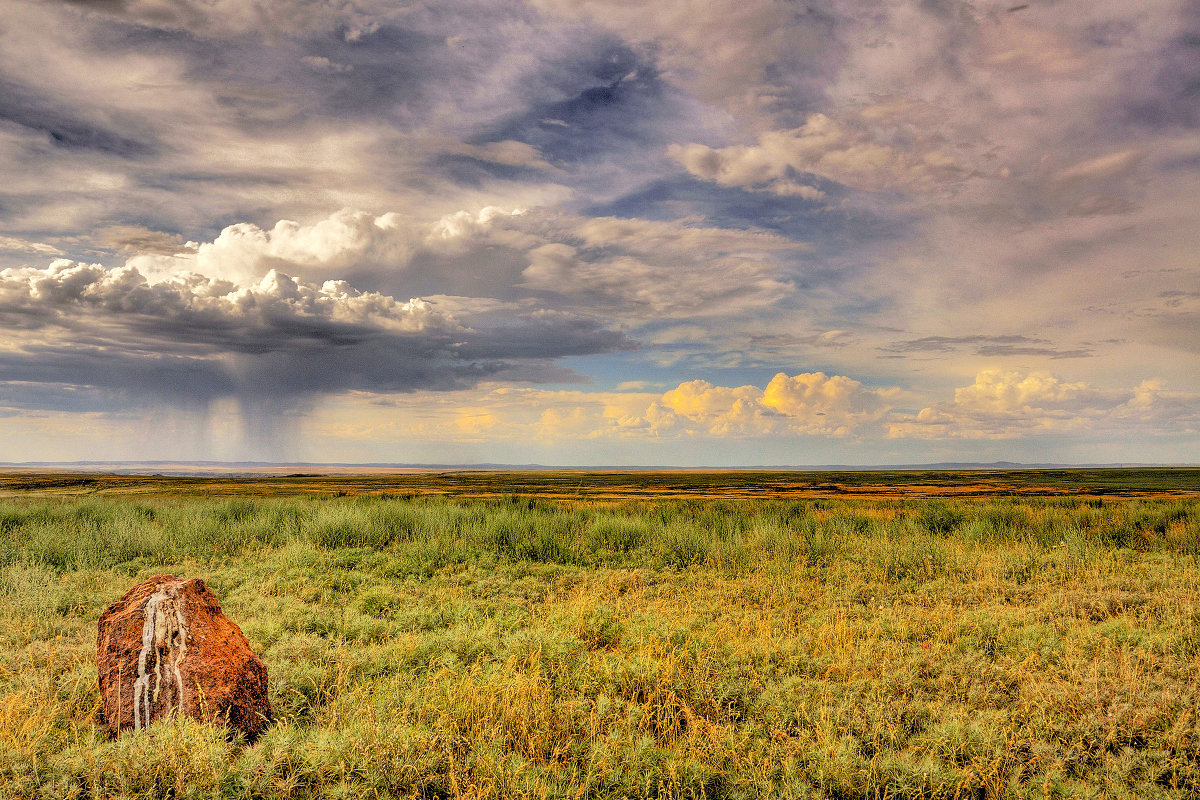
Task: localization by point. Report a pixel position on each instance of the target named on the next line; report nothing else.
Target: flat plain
(909, 634)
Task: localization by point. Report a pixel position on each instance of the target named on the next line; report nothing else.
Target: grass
(579, 485)
(520, 646)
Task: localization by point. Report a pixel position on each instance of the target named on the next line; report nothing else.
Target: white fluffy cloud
(245, 252)
(346, 240)
(59, 293)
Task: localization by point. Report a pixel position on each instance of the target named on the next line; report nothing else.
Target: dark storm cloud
(91, 377)
(192, 340)
(19, 398)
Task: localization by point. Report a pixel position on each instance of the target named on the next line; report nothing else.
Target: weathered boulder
(165, 648)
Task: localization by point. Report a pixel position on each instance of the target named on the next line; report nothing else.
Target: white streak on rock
(162, 630)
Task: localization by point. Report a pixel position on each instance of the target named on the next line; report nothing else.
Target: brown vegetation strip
(614, 485)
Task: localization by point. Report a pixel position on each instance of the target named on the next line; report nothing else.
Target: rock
(165, 648)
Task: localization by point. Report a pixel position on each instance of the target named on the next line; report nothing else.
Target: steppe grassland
(432, 647)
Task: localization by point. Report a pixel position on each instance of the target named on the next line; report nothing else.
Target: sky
(600, 232)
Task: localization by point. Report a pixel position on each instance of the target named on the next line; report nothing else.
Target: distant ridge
(310, 469)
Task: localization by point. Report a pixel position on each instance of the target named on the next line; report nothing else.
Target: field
(613, 635)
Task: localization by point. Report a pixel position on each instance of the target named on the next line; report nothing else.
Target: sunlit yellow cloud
(997, 404)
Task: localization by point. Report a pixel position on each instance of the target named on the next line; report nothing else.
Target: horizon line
(494, 466)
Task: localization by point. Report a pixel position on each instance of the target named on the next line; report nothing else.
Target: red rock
(165, 649)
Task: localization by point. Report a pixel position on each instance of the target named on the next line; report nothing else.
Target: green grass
(523, 647)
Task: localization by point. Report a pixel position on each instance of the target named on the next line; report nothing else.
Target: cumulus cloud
(1003, 404)
(805, 413)
(192, 338)
(347, 238)
(464, 225)
(807, 404)
(804, 404)
(997, 405)
(344, 241)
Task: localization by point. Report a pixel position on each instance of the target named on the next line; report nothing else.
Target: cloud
(815, 412)
(643, 269)
(630, 284)
(464, 225)
(235, 17)
(507, 153)
(1004, 404)
(823, 147)
(633, 270)
(808, 404)
(13, 244)
(745, 57)
(59, 125)
(985, 345)
(1106, 166)
(189, 338)
(897, 192)
(244, 252)
(177, 118)
(324, 65)
(998, 405)
(139, 239)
